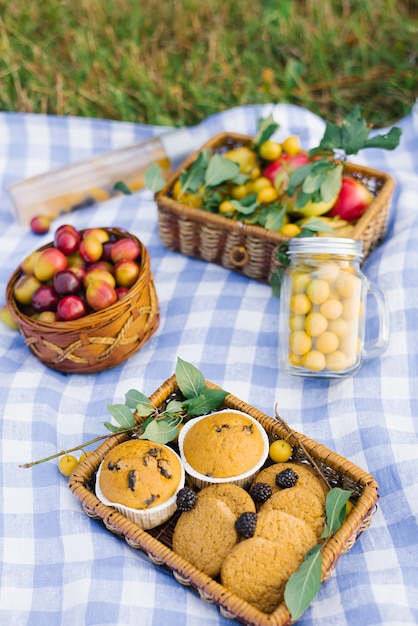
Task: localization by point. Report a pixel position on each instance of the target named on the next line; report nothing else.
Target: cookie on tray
(206, 534)
(301, 503)
(236, 498)
(280, 526)
(306, 477)
(257, 570)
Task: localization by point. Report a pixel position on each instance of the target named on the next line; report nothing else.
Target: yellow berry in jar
(290, 230)
(331, 308)
(317, 291)
(266, 195)
(300, 304)
(294, 359)
(314, 360)
(339, 326)
(300, 281)
(336, 361)
(297, 322)
(351, 309)
(328, 272)
(327, 342)
(280, 451)
(315, 324)
(238, 192)
(270, 150)
(291, 145)
(300, 343)
(348, 285)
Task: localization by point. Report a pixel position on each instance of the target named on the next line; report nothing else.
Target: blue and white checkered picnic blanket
(58, 566)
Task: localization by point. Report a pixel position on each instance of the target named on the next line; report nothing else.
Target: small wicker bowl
(146, 518)
(100, 340)
(242, 480)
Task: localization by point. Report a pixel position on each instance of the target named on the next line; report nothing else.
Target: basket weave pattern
(157, 543)
(250, 249)
(100, 340)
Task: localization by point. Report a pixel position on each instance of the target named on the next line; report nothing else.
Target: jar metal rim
(326, 245)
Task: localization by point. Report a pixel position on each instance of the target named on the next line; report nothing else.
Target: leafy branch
(159, 425)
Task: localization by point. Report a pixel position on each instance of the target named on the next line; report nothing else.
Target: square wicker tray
(247, 249)
(156, 543)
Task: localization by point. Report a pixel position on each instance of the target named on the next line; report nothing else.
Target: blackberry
(245, 524)
(260, 492)
(186, 499)
(286, 479)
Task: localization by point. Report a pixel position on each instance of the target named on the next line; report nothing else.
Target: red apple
(48, 263)
(99, 295)
(121, 292)
(278, 171)
(70, 308)
(352, 201)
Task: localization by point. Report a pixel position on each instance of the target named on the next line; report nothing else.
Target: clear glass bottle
(323, 301)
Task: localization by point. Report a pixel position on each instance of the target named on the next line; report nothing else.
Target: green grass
(175, 62)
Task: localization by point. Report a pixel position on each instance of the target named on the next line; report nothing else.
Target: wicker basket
(100, 340)
(157, 544)
(249, 249)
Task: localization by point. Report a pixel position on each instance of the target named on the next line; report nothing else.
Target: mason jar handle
(379, 346)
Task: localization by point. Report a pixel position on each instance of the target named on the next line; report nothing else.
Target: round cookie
(257, 570)
(301, 503)
(236, 498)
(205, 535)
(280, 526)
(307, 477)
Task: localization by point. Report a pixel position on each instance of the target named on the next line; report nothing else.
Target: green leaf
(298, 176)
(244, 207)
(206, 401)
(386, 142)
(122, 414)
(331, 184)
(161, 431)
(153, 178)
(335, 510)
(113, 428)
(275, 218)
(134, 397)
(189, 379)
(219, 170)
(123, 187)
(303, 585)
(266, 128)
(276, 281)
(192, 178)
(174, 407)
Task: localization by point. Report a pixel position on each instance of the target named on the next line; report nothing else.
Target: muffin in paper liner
(151, 517)
(242, 479)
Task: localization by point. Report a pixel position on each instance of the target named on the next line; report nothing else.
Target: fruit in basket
(280, 451)
(278, 171)
(352, 201)
(70, 308)
(69, 286)
(49, 262)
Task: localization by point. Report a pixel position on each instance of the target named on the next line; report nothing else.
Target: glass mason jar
(323, 297)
